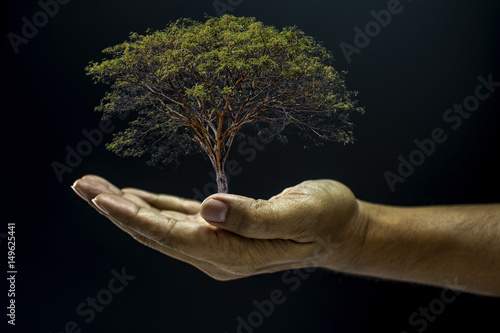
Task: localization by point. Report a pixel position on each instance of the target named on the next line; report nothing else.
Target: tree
(195, 85)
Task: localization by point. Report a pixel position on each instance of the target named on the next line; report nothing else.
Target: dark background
(424, 61)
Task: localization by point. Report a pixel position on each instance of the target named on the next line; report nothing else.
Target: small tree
(196, 85)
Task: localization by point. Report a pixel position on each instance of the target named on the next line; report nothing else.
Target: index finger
(166, 202)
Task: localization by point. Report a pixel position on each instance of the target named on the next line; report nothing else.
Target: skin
(315, 223)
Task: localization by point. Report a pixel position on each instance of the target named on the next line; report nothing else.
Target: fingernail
(99, 207)
(214, 211)
(76, 191)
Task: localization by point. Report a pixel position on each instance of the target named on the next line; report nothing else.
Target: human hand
(315, 223)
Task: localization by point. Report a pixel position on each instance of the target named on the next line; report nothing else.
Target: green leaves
(196, 84)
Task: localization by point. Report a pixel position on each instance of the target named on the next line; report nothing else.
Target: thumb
(261, 219)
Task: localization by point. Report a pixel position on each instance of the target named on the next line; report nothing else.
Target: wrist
(345, 251)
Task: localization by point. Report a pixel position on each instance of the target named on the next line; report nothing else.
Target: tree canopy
(194, 85)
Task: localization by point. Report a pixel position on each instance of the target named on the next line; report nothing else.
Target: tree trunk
(220, 176)
(222, 185)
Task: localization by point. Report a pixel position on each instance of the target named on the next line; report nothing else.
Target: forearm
(432, 245)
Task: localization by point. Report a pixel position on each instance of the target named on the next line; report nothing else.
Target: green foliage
(194, 85)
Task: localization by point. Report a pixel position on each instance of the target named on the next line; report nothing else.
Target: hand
(227, 236)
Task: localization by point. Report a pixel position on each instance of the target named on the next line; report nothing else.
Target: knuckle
(249, 217)
(162, 231)
(255, 210)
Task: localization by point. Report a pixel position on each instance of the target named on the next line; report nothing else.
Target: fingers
(179, 235)
(166, 202)
(201, 242)
(88, 187)
(208, 268)
(283, 217)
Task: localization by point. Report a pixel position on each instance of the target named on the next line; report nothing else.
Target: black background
(424, 61)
